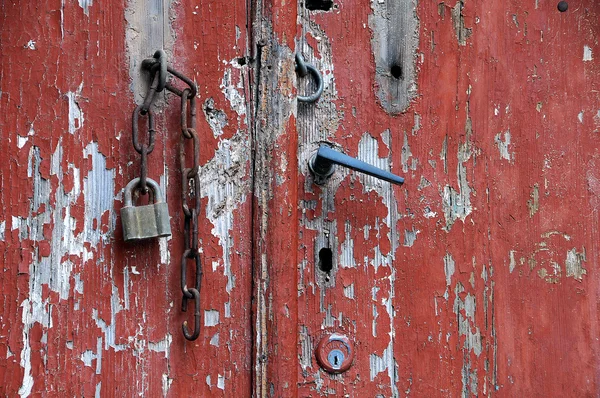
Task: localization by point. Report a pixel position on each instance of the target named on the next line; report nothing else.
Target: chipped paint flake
(211, 317)
(221, 382)
(534, 203)
(163, 345)
(214, 341)
(379, 364)
(587, 53)
(512, 263)
(30, 45)
(449, 267)
(410, 236)
(503, 146)
(86, 4)
(349, 291)
(166, 384)
(75, 113)
(347, 259)
(574, 264)
(231, 91)
(457, 204)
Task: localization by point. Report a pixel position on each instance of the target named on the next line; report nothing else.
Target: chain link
(190, 179)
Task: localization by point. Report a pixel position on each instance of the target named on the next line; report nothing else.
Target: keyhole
(325, 260)
(335, 358)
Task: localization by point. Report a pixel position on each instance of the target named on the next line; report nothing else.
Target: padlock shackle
(133, 184)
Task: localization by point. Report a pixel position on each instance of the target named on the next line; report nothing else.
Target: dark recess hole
(241, 61)
(396, 71)
(563, 6)
(325, 260)
(323, 5)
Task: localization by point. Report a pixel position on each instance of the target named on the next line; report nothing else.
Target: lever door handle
(322, 165)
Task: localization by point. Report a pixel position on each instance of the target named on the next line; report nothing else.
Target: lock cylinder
(148, 221)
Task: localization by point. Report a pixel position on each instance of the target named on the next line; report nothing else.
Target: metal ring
(161, 56)
(300, 65)
(317, 94)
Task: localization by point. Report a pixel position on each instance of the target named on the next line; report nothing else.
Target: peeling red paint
(477, 277)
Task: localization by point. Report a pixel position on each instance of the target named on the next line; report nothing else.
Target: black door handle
(322, 165)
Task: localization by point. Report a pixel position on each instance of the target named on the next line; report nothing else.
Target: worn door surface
(478, 277)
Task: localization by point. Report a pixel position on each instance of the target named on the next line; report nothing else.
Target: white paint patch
(25, 362)
(428, 213)
(449, 268)
(512, 262)
(349, 291)
(208, 381)
(368, 150)
(86, 4)
(465, 311)
(503, 146)
(214, 341)
(379, 364)
(99, 188)
(406, 155)
(88, 356)
(574, 264)
(54, 271)
(347, 259)
(166, 384)
(75, 113)
(216, 118)
(410, 236)
(163, 345)
(306, 345)
(2, 230)
(457, 204)
(587, 53)
(211, 317)
(21, 141)
(165, 254)
(231, 93)
(221, 382)
(30, 45)
(98, 390)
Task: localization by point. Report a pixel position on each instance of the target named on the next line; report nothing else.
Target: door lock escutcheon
(322, 166)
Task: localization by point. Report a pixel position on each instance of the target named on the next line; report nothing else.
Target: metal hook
(302, 70)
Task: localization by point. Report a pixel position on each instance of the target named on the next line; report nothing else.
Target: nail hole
(241, 61)
(396, 71)
(323, 5)
(325, 260)
(563, 6)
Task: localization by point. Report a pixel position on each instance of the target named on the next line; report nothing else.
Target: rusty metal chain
(190, 179)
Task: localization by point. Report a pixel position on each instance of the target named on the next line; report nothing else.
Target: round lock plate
(335, 353)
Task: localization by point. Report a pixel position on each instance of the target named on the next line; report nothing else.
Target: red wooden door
(478, 277)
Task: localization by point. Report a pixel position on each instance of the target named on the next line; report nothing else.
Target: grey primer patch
(395, 40)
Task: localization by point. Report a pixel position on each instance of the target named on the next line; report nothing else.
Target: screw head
(563, 6)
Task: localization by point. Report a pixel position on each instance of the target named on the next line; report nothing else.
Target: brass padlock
(143, 222)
